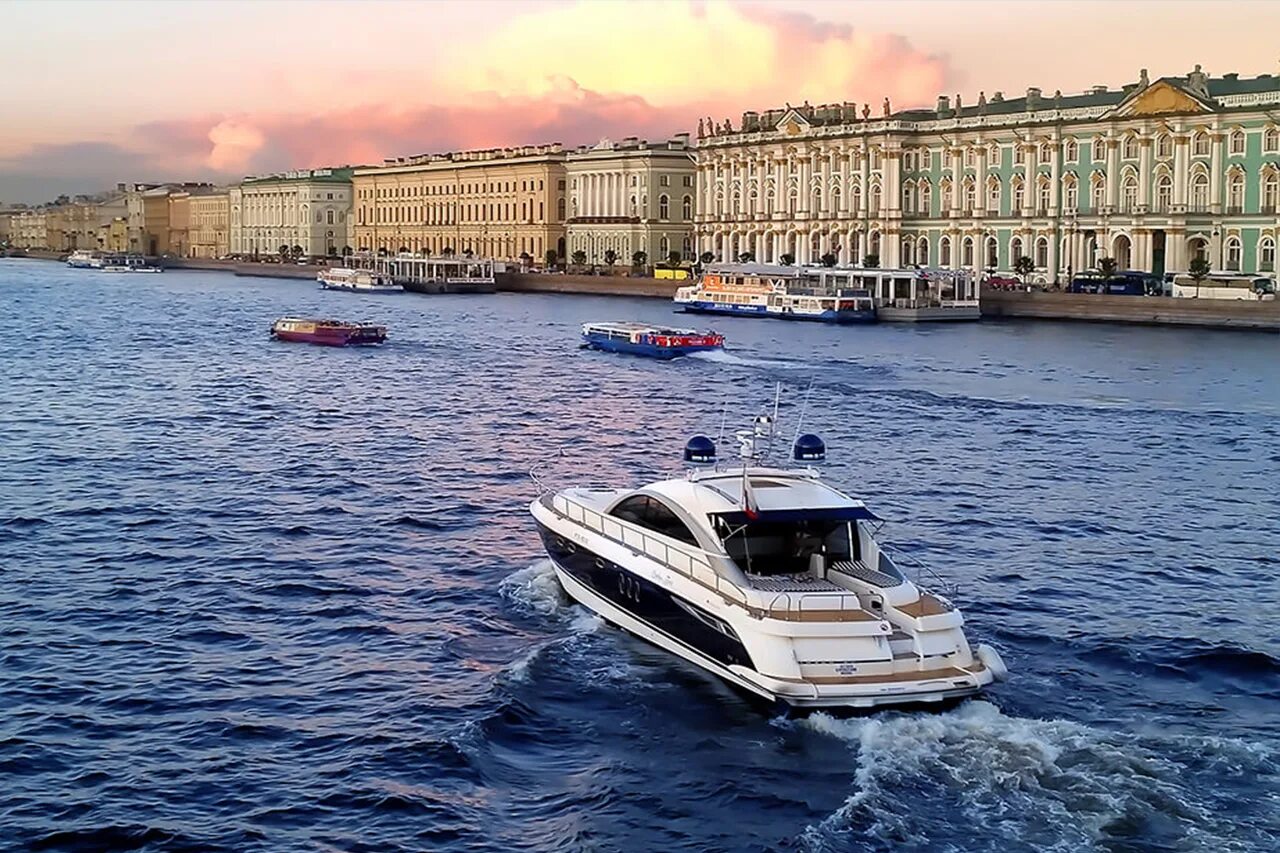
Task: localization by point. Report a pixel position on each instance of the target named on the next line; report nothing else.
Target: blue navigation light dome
(810, 448)
(700, 450)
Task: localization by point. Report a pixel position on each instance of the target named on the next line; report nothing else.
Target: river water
(260, 596)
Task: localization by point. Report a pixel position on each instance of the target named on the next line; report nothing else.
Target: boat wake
(1043, 784)
(536, 590)
(722, 357)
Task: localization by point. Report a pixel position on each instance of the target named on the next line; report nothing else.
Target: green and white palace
(1151, 174)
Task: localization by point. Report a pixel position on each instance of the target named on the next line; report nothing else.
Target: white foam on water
(1028, 784)
(724, 357)
(535, 588)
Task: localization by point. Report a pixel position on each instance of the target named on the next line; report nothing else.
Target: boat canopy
(787, 516)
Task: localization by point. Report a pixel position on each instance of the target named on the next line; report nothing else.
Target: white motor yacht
(357, 281)
(767, 577)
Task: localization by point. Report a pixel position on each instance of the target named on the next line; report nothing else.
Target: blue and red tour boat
(651, 341)
(329, 333)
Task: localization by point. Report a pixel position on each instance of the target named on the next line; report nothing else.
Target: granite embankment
(591, 285)
(1143, 310)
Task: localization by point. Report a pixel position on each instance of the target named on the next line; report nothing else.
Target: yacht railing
(937, 583)
(694, 564)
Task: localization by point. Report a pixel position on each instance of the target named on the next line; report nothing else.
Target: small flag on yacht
(749, 505)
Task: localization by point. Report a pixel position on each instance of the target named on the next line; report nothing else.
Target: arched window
(875, 198)
(926, 198)
(993, 155)
(1018, 196)
(1200, 192)
(1046, 152)
(970, 156)
(855, 197)
(1237, 142)
(1164, 193)
(686, 208)
(966, 252)
(970, 195)
(944, 252)
(1270, 195)
(1070, 151)
(922, 251)
(1267, 254)
(1044, 196)
(664, 206)
(1129, 193)
(652, 514)
(1164, 145)
(908, 249)
(1233, 253)
(993, 195)
(1042, 252)
(664, 247)
(1070, 194)
(1235, 191)
(1129, 150)
(908, 197)
(1200, 144)
(1270, 140)
(993, 253)
(1015, 250)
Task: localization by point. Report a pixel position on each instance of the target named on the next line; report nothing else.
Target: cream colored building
(632, 196)
(1150, 174)
(209, 234)
(497, 203)
(28, 230)
(308, 212)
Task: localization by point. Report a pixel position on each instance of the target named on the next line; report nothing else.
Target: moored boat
(357, 281)
(646, 340)
(331, 333)
(769, 290)
(126, 263)
(82, 259)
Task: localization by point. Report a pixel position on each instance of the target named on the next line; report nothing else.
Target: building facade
(28, 230)
(631, 196)
(1151, 175)
(308, 212)
(498, 203)
(209, 223)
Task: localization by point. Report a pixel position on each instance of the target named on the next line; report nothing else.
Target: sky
(99, 92)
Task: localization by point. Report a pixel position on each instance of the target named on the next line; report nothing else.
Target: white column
(1215, 176)
(864, 202)
(1055, 190)
(980, 191)
(1113, 172)
(957, 178)
(1144, 171)
(891, 181)
(806, 173)
(1030, 197)
(1180, 143)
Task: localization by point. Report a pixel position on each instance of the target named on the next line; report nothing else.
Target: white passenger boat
(768, 290)
(127, 263)
(82, 259)
(765, 576)
(357, 281)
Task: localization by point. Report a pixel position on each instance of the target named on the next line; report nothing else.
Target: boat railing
(695, 564)
(926, 576)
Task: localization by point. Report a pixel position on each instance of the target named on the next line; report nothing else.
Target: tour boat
(331, 333)
(767, 290)
(127, 263)
(651, 341)
(765, 576)
(357, 281)
(82, 259)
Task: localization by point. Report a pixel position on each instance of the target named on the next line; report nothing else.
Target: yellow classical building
(29, 230)
(497, 203)
(208, 234)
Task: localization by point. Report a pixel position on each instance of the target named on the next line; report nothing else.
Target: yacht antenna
(724, 416)
(773, 424)
(804, 407)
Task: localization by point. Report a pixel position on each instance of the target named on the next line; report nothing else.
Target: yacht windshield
(767, 547)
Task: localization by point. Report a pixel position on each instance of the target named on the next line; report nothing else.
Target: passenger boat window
(654, 515)
(786, 547)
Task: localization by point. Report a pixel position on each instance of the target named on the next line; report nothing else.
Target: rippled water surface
(260, 596)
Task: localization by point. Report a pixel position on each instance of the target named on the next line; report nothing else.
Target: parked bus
(1224, 285)
(1124, 283)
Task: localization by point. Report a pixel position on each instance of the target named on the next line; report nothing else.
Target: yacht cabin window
(654, 515)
